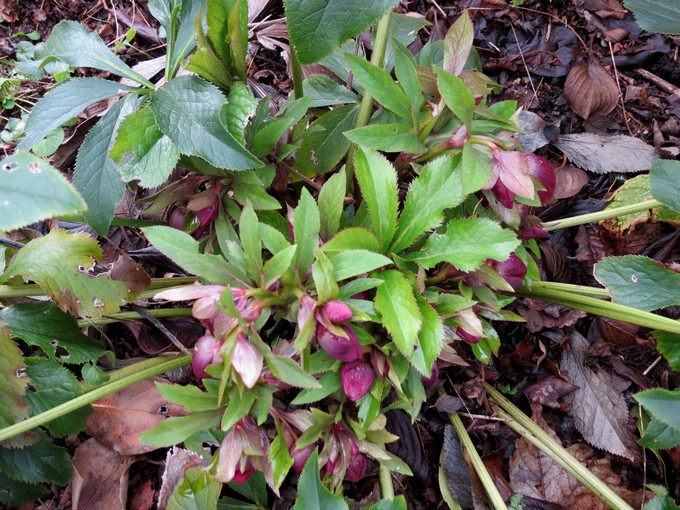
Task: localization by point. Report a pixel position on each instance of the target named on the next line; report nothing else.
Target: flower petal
(247, 361)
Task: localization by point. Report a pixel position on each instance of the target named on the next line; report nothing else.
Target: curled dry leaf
(570, 180)
(590, 89)
(120, 418)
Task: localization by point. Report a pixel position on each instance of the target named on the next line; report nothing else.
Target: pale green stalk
(159, 313)
(568, 287)
(613, 212)
(386, 487)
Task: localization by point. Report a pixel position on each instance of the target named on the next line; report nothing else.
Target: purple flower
(207, 351)
(356, 469)
(247, 361)
(471, 339)
(300, 456)
(337, 311)
(512, 270)
(357, 378)
(511, 168)
(344, 349)
(543, 172)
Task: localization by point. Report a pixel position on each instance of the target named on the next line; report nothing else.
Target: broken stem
(614, 212)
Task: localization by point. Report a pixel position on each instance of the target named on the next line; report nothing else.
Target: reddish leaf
(570, 180)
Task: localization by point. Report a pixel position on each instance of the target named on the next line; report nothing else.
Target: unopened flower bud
(379, 362)
(532, 232)
(337, 311)
(472, 339)
(251, 313)
(207, 351)
(434, 375)
(512, 270)
(357, 378)
(301, 456)
(356, 469)
(543, 172)
(307, 307)
(344, 349)
(503, 194)
(247, 361)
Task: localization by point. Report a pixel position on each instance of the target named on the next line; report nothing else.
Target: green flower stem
(116, 222)
(382, 35)
(161, 365)
(386, 487)
(483, 474)
(159, 313)
(614, 212)
(297, 73)
(524, 426)
(602, 308)
(568, 287)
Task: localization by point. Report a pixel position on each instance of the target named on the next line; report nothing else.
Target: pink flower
(357, 378)
(543, 172)
(471, 339)
(207, 351)
(337, 311)
(356, 469)
(247, 361)
(300, 456)
(512, 270)
(512, 169)
(306, 310)
(244, 449)
(344, 349)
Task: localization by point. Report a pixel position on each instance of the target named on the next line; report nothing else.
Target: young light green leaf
(43, 324)
(466, 244)
(239, 405)
(62, 103)
(379, 84)
(354, 238)
(312, 494)
(438, 187)
(277, 265)
(458, 44)
(322, 272)
(237, 37)
(53, 262)
(349, 263)
(387, 138)
(378, 182)
(324, 144)
(91, 51)
(142, 151)
(306, 224)
(639, 282)
(96, 176)
(205, 62)
(31, 190)
(331, 203)
(218, 28)
(289, 372)
(405, 70)
(53, 385)
(317, 27)
(249, 234)
(187, 110)
(39, 462)
(273, 129)
(241, 105)
(662, 404)
(476, 168)
(198, 490)
(395, 302)
(189, 397)
(280, 457)
(182, 249)
(430, 338)
(457, 96)
(665, 182)
(13, 388)
(323, 91)
(176, 429)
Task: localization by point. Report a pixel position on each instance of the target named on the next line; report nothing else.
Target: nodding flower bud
(307, 307)
(344, 349)
(543, 172)
(337, 311)
(356, 469)
(503, 194)
(300, 456)
(357, 378)
(532, 232)
(434, 375)
(251, 313)
(471, 339)
(207, 351)
(242, 476)
(512, 270)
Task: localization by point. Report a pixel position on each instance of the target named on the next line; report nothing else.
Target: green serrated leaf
(438, 187)
(204, 61)
(398, 503)
(176, 429)
(663, 405)
(187, 110)
(12, 387)
(397, 305)
(457, 96)
(182, 249)
(406, 73)
(658, 436)
(665, 179)
(198, 490)
(322, 272)
(379, 84)
(96, 176)
(668, 344)
(91, 51)
(330, 383)
(656, 15)
(241, 105)
(476, 168)
(289, 372)
(387, 138)
(324, 143)
(312, 495)
(271, 131)
(53, 262)
(31, 190)
(466, 244)
(324, 91)
(54, 385)
(13, 492)
(317, 27)
(639, 282)
(42, 324)
(280, 457)
(62, 103)
(352, 239)
(349, 263)
(249, 234)
(276, 266)
(378, 182)
(331, 203)
(142, 151)
(39, 462)
(306, 224)
(430, 338)
(189, 397)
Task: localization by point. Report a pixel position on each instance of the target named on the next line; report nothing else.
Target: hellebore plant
(326, 297)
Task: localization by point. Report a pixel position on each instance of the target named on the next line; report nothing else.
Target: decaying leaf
(600, 413)
(177, 462)
(537, 132)
(100, 477)
(129, 272)
(603, 154)
(590, 89)
(120, 418)
(456, 470)
(570, 180)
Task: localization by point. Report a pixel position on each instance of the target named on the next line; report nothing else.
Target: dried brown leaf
(556, 261)
(129, 272)
(177, 462)
(570, 180)
(600, 413)
(590, 89)
(100, 477)
(120, 418)
(603, 154)
(456, 470)
(549, 392)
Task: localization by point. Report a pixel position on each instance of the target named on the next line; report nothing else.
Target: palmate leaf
(53, 262)
(187, 110)
(31, 190)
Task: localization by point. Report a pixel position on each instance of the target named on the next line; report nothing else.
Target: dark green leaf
(95, 174)
(249, 234)
(438, 187)
(177, 18)
(324, 91)
(42, 324)
(142, 151)
(187, 110)
(330, 383)
(239, 405)
(663, 405)
(331, 203)
(467, 244)
(306, 224)
(378, 182)
(312, 495)
(254, 489)
(387, 138)
(198, 490)
(639, 282)
(290, 372)
(49, 145)
(379, 84)
(659, 436)
(176, 429)
(430, 338)
(349, 263)
(13, 492)
(458, 44)
(398, 503)
(31, 190)
(240, 107)
(668, 344)
(397, 305)
(665, 181)
(62, 103)
(278, 264)
(457, 96)
(272, 130)
(317, 27)
(656, 15)
(39, 462)
(405, 70)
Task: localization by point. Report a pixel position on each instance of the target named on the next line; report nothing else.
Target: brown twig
(659, 82)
